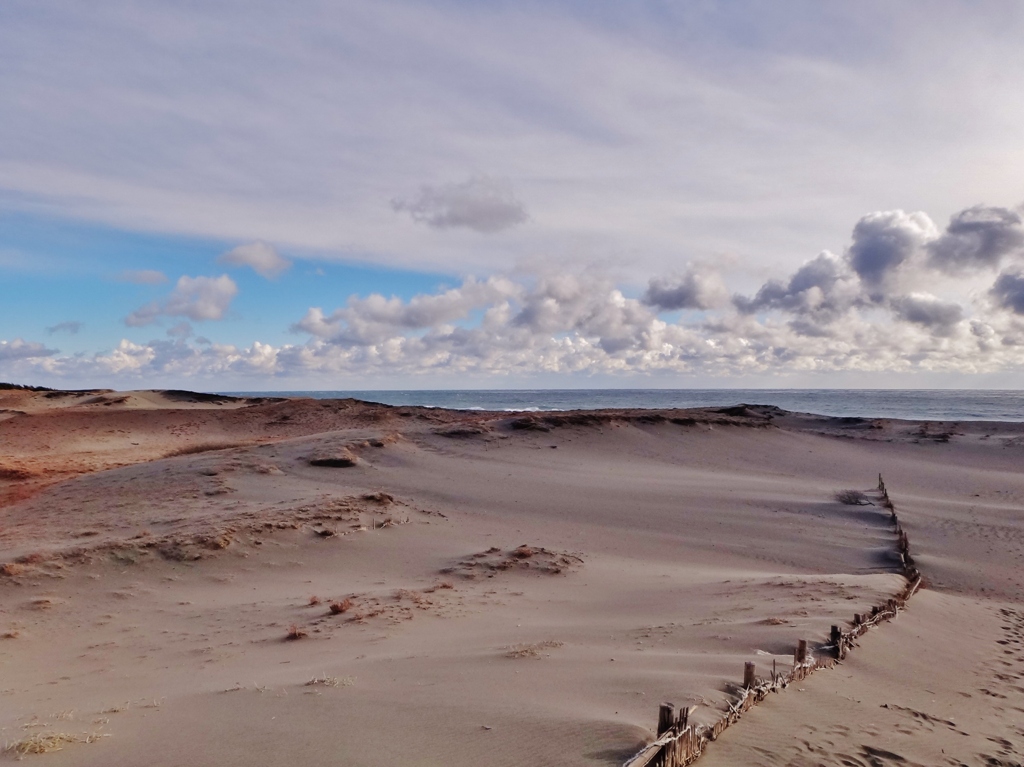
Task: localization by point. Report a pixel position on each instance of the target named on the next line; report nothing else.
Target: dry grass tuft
(446, 585)
(337, 608)
(314, 601)
(532, 650)
(11, 569)
(294, 632)
(418, 598)
(12, 634)
(331, 681)
(218, 542)
(852, 498)
(47, 742)
(535, 559)
(341, 459)
(774, 621)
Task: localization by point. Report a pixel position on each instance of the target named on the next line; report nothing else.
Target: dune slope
(506, 589)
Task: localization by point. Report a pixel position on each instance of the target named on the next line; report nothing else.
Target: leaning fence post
(683, 719)
(748, 674)
(666, 717)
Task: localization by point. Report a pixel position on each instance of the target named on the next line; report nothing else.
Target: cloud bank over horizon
(904, 295)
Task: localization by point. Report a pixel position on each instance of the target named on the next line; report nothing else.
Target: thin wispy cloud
(143, 277)
(70, 326)
(643, 129)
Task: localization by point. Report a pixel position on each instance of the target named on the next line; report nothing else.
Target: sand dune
(508, 589)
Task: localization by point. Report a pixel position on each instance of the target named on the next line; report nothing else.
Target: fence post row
(748, 675)
(679, 743)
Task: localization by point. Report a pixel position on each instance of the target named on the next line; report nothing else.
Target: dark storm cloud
(1008, 290)
(885, 240)
(928, 311)
(978, 237)
(697, 289)
(823, 273)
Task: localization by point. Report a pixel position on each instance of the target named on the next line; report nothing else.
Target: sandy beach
(193, 579)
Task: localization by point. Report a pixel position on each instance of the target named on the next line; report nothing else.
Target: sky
(255, 196)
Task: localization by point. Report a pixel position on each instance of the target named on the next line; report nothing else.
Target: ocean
(912, 404)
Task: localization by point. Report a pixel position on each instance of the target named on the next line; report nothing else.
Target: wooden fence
(680, 743)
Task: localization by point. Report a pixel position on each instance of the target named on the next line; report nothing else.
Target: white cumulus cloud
(375, 318)
(197, 298)
(19, 349)
(884, 305)
(261, 257)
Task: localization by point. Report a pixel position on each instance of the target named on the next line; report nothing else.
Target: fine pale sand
(491, 588)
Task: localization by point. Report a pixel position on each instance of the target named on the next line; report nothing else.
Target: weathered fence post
(748, 674)
(801, 651)
(666, 717)
(836, 638)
